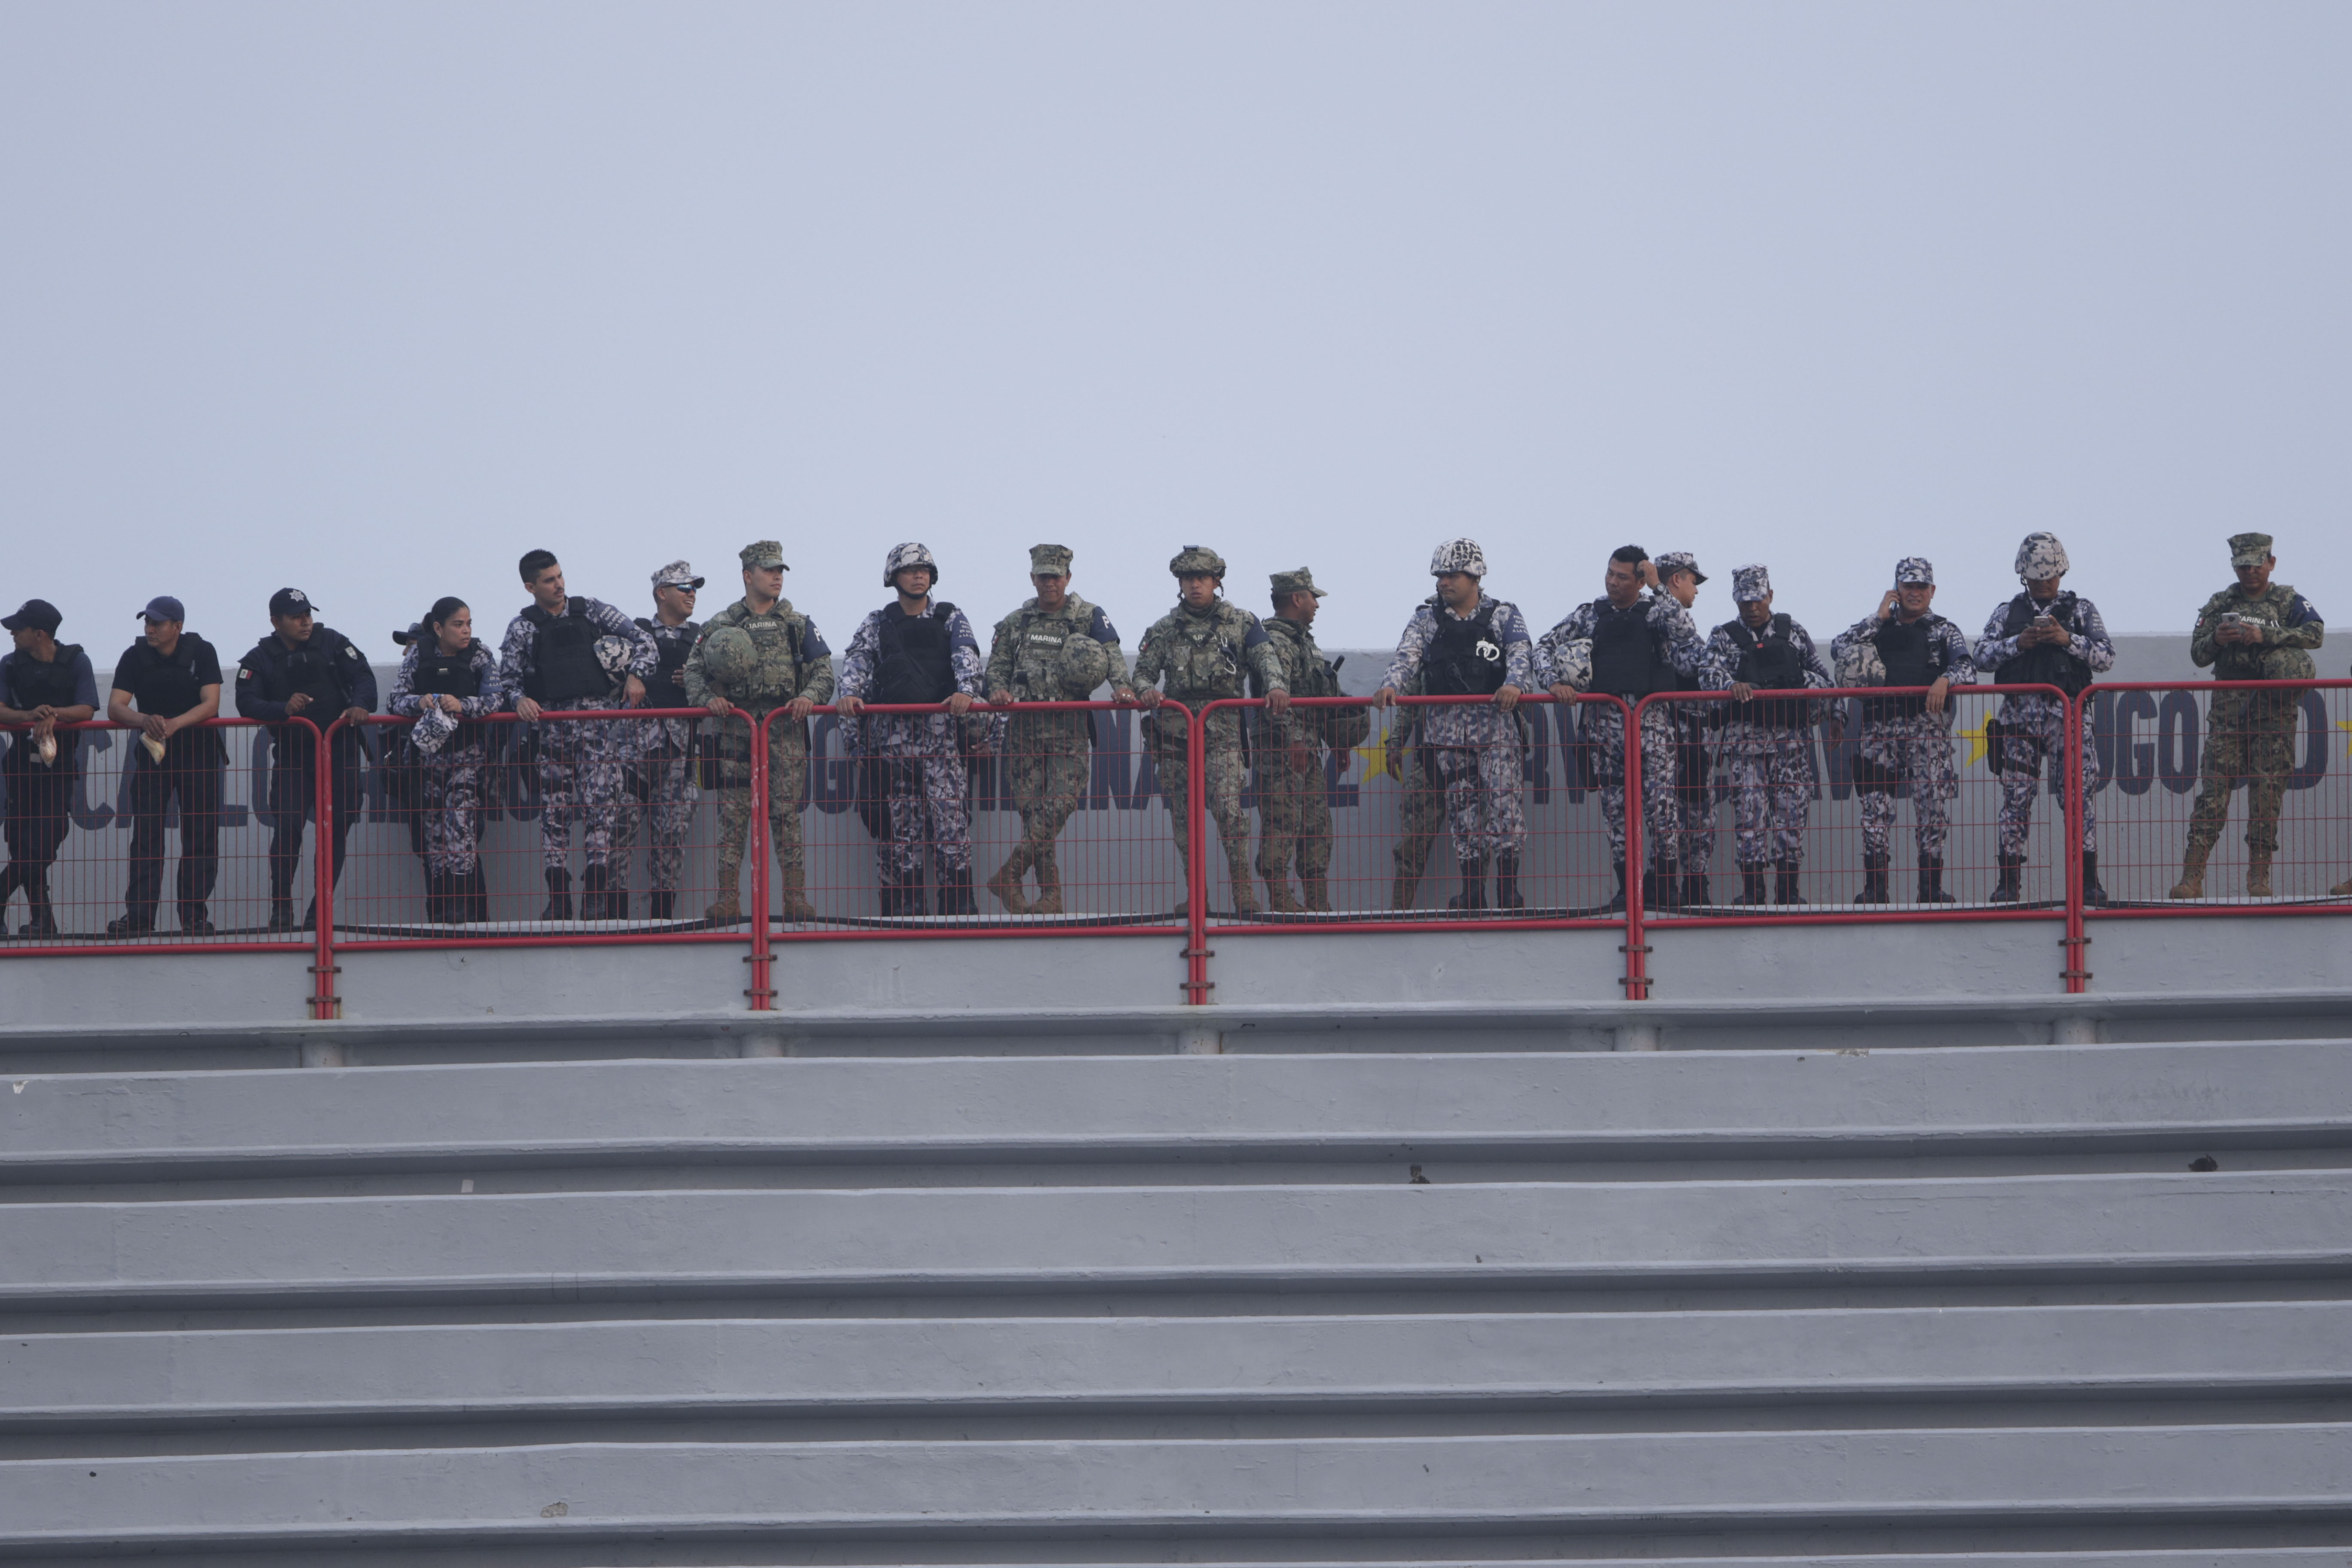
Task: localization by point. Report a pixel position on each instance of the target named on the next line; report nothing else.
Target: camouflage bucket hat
(1750, 583)
(1049, 560)
(729, 656)
(1675, 561)
(764, 553)
(1915, 569)
(1458, 555)
(904, 556)
(1197, 558)
(2248, 549)
(2040, 557)
(1299, 582)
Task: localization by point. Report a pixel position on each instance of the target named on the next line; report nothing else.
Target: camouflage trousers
(1048, 764)
(787, 781)
(1295, 817)
(926, 797)
(1917, 747)
(1483, 812)
(2033, 731)
(2249, 737)
(580, 779)
(1223, 773)
(666, 776)
(1695, 789)
(453, 809)
(1765, 774)
(1421, 810)
(1604, 731)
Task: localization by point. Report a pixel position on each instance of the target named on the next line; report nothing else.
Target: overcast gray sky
(370, 299)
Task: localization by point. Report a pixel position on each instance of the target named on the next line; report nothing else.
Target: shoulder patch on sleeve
(1100, 628)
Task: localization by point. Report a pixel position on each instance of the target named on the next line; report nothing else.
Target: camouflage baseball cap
(1049, 560)
(2040, 557)
(677, 574)
(1197, 558)
(2248, 549)
(1675, 561)
(1750, 583)
(1299, 582)
(764, 553)
(1915, 569)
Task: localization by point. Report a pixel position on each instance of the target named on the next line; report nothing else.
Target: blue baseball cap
(163, 607)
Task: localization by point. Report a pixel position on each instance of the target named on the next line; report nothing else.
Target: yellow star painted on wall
(2345, 725)
(1978, 744)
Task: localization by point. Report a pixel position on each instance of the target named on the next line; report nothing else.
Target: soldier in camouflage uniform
(1695, 725)
(1201, 651)
(1632, 644)
(559, 655)
(662, 788)
(1294, 800)
(1768, 747)
(786, 667)
(1904, 644)
(1421, 807)
(1048, 651)
(2042, 637)
(2259, 630)
(915, 650)
(1463, 642)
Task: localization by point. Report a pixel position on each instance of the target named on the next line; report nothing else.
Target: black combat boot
(592, 885)
(45, 919)
(616, 894)
(1696, 894)
(912, 896)
(2005, 890)
(1931, 880)
(436, 900)
(1618, 902)
(281, 913)
(1873, 880)
(955, 893)
(1751, 886)
(1663, 891)
(1506, 882)
(478, 897)
(2092, 894)
(1473, 895)
(1784, 883)
(558, 894)
(663, 902)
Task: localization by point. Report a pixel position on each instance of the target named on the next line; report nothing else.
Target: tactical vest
(1308, 672)
(666, 689)
(1625, 661)
(1202, 663)
(439, 674)
(915, 662)
(1038, 657)
(309, 670)
(2044, 664)
(1913, 656)
(564, 667)
(1769, 663)
(1464, 658)
(32, 684)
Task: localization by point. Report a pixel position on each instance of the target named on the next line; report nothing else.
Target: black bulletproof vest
(2044, 665)
(667, 686)
(1913, 657)
(446, 673)
(1769, 663)
(32, 684)
(915, 665)
(308, 669)
(565, 666)
(1625, 660)
(167, 684)
(1454, 666)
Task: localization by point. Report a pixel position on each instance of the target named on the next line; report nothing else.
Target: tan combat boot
(1244, 894)
(1318, 894)
(1006, 883)
(2192, 873)
(1403, 891)
(796, 910)
(1048, 900)
(2258, 873)
(723, 911)
(2342, 889)
(1277, 896)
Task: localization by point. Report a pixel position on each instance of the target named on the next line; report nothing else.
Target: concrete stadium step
(617, 1246)
(951, 1366)
(1174, 1491)
(858, 1120)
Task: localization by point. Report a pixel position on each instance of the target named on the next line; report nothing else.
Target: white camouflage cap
(1915, 569)
(1750, 583)
(677, 574)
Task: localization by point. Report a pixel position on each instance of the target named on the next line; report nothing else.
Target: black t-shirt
(170, 686)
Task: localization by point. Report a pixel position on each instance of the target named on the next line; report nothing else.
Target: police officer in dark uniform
(43, 683)
(173, 678)
(305, 671)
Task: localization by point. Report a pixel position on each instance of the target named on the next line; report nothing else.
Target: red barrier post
(763, 991)
(1637, 948)
(324, 1002)
(1197, 984)
(2076, 971)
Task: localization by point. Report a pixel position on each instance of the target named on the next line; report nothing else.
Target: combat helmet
(906, 555)
(729, 656)
(1197, 558)
(1574, 665)
(1458, 555)
(1859, 665)
(1083, 665)
(613, 654)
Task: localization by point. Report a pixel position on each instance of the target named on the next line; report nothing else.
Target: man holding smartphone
(2043, 637)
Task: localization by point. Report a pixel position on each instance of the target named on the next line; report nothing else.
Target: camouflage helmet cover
(1458, 555)
(1196, 558)
(1859, 665)
(1084, 664)
(728, 655)
(2040, 557)
(615, 653)
(904, 556)
(1574, 664)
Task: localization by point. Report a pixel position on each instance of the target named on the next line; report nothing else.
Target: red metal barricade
(175, 854)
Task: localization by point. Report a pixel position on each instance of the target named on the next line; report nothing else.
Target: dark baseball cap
(38, 613)
(163, 607)
(290, 602)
